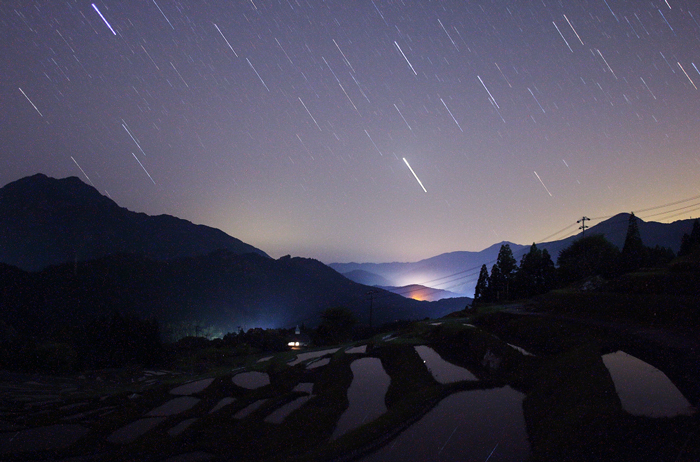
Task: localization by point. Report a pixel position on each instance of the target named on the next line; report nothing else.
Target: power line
(670, 204)
(471, 273)
(696, 206)
(582, 227)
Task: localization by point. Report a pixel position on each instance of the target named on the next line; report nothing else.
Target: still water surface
(468, 425)
(442, 371)
(643, 389)
(366, 395)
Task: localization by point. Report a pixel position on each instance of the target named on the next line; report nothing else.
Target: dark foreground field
(554, 363)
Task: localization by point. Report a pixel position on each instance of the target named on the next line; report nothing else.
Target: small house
(298, 340)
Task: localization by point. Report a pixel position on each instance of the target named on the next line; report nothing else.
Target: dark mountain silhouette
(69, 254)
(222, 289)
(459, 271)
(45, 221)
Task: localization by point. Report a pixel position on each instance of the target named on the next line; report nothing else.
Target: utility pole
(583, 225)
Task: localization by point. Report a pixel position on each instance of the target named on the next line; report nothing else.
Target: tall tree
(481, 291)
(549, 272)
(496, 283)
(535, 274)
(633, 251)
(586, 257)
(503, 273)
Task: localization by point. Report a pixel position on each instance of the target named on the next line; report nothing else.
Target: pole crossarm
(583, 225)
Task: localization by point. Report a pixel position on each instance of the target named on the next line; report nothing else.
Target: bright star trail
(606, 63)
(545, 187)
(404, 57)
(686, 74)
(453, 117)
(285, 123)
(103, 18)
(256, 73)
(30, 102)
(487, 91)
(344, 57)
(144, 168)
(535, 98)
(83, 171)
(132, 137)
(373, 143)
(448, 35)
(309, 112)
(414, 174)
(226, 40)
(161, 12)
(403, 118)
(572, 28)
(562, 37)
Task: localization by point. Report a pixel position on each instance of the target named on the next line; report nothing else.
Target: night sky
(286, 123)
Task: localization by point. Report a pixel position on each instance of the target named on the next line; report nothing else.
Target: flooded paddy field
(498, 388)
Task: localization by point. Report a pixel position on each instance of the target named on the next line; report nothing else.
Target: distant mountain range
(457, 272)
(67, 254)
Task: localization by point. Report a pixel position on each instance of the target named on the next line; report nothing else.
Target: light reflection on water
(643, 389)
(366, 395)
(467, 425)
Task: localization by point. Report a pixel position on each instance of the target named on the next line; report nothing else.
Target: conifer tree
(633, 251)
(481, 291)
(503, 273)
(496, 283)
(535, 274)
(549, 272)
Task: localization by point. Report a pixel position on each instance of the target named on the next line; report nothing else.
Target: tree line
(535, 275)
(589, 256)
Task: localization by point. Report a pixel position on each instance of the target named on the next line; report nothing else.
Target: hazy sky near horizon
(286, 123)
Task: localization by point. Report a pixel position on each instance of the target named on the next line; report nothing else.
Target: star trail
(286, 123)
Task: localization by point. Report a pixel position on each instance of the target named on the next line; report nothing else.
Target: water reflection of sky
(313, 354)
(251, 380)
(442, 371)
(469, 425)
(643, 389)
(366, 395)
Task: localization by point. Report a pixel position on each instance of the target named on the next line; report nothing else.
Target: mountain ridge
(68, 254)
(49, 221)
(457, 271)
